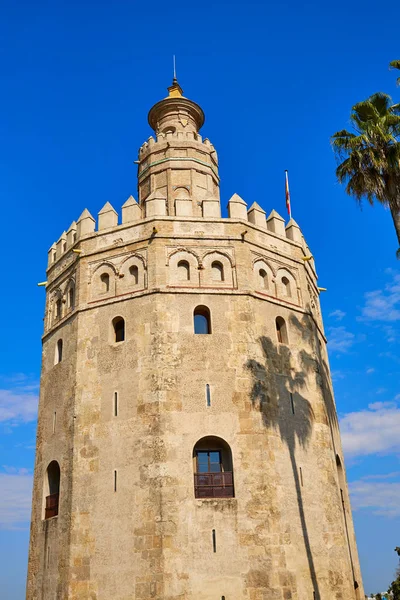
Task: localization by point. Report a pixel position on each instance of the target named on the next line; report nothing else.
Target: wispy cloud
(340, 340)
(15, 499)
(19, 401)
(337, 314)
(384, 304)
(336, 375)
(374, 430)
(380, 498)
(370, 371)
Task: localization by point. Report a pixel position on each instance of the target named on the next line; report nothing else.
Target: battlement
(131, 213)
(176, 136)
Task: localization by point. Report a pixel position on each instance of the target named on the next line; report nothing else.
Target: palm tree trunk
(395, 211)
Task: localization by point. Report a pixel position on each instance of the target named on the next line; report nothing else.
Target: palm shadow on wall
(272, 399)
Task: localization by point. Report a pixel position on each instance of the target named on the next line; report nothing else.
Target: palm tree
(370, 156)
(395, 64)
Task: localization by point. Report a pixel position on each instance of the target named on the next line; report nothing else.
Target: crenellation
(85, 224)
(237, 208)
(107, 217)
(256, 215)
(61, 245)
(131, 211)
(211, 207)
(52, 255)
(293, 231)
(71, 235)
(276, 223)
(156, 204)
(183, 206)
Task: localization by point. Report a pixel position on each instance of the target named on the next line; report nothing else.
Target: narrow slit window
(202, 320)
(214, 540)
(59, 352)
(54, 421)
(48, 556)
(115, 404)
(119, 329)
(115, 481)
(301, 476)
(208, 394)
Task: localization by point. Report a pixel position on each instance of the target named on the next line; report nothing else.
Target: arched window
(71, 297)
(213, 469)
(263, 279)
(59, 352)
(52, 490)
(58, 308)
(183, 270)
(281, 330)
(105, 280)
(202, 320)
(134, 273)
(217, 271)
(119, 329)
(286, 287)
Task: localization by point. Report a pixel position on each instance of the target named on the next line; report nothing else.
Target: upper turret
(177, 171)
(176, 113)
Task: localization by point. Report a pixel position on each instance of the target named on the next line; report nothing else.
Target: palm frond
(395, 64)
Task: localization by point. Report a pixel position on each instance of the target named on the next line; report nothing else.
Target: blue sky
(275, 81)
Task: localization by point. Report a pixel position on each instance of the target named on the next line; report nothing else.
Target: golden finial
(175, 90)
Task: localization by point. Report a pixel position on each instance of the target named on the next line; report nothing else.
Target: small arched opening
(213, 468)
(52, 490)
(217, 271)
(58, 308)
(71, 297)
(105, 283)
(183, 270)
(202, 320)
(263, 279)
(134, 273)
(286, 290)
(119, 329)
(281, 330)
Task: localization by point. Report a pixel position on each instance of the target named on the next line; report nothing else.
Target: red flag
(289, 208)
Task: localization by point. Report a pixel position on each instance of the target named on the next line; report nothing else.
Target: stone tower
(188, 444)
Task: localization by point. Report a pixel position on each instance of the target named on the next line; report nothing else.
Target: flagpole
(287, 194)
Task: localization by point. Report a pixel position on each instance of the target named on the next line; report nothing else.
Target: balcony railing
(51, 506)
(213, 485)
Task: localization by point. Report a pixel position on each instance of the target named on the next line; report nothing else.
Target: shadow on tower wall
(267, 396)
